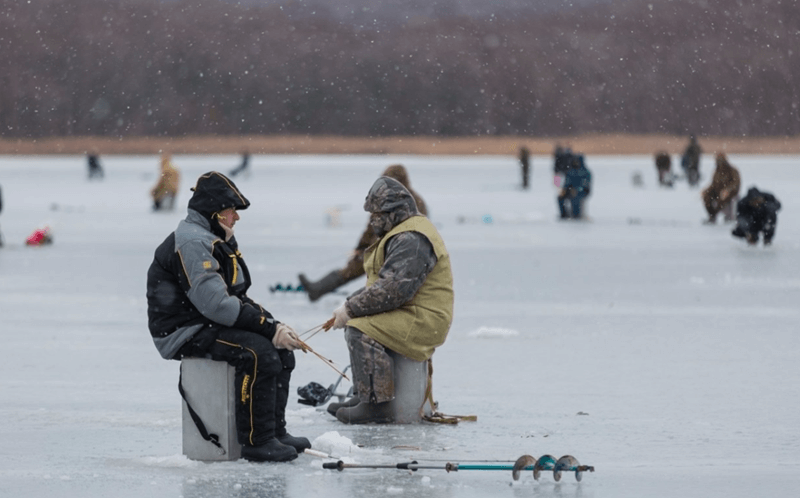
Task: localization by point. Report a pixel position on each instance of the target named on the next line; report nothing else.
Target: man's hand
(286, 338)
(340, 317)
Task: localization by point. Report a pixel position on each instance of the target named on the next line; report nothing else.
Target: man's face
(228, 217)
(380, 223)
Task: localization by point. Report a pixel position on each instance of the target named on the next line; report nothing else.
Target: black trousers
(262, 379)
(761, 222)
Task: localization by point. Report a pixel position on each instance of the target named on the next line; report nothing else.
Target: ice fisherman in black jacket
(198, 307)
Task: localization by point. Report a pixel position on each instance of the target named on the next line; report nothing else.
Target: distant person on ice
(93, 163)
(562, 157)
(757, 213)
(354, 267)
(577, 186)
(244, 167)
(406, 306)
(664, 169)
(166, 189)
(198, 307)
(690, 161)
(525, 165)
(723, 193)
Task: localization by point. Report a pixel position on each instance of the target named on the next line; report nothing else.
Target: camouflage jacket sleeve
(409, 259)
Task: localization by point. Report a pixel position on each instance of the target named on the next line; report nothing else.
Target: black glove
(256, 319)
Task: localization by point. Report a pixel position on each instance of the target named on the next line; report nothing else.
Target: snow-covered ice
(660, 350)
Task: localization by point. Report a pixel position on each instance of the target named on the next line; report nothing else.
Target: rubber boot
(326, 284)
(271, 451)
(298, 443)
(366, 413)
(334, 407)
(281, 400)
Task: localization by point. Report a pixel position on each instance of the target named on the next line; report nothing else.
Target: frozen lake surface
(660, 350)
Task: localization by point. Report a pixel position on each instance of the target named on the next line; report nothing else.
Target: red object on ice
(40, 236)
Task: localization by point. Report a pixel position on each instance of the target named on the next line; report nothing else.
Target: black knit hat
(215, 192)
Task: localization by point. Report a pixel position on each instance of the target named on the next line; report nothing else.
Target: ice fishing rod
(567, 463)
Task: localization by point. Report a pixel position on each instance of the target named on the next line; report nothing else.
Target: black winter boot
(281, 399)
(298, 443)
(326, 284)
(334, 407)
(271, 451)
(366, 413)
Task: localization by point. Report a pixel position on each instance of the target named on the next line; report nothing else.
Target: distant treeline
(113, 68)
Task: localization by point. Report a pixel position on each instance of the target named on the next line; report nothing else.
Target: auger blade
(546, 462)
(566, 462)
(520, 464)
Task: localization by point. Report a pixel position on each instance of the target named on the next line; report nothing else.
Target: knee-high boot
(326, 284)
(282, 399)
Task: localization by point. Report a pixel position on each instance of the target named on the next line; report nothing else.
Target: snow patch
(338, 446)
(493, 332)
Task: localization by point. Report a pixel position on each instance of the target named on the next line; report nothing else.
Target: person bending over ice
(406, 306)
(757, 213)
(197, 306)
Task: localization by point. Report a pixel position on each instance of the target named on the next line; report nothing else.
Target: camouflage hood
(390, 204)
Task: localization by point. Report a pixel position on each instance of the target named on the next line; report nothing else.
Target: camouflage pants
(371, 366)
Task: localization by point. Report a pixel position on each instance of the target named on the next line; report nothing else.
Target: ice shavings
(340, 447)
(333, 443)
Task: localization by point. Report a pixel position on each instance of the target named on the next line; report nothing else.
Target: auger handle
(340, 465)
(334, 465)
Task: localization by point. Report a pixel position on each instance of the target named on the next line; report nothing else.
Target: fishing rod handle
(334, 465)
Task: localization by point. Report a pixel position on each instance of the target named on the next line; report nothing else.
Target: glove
(255, 319)
(286, 338)
(340, 317)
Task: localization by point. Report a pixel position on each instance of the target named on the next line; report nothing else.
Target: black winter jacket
(197, 279)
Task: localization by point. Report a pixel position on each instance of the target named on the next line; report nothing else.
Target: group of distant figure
(755, 214)
(165, 190)
(690, 164)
